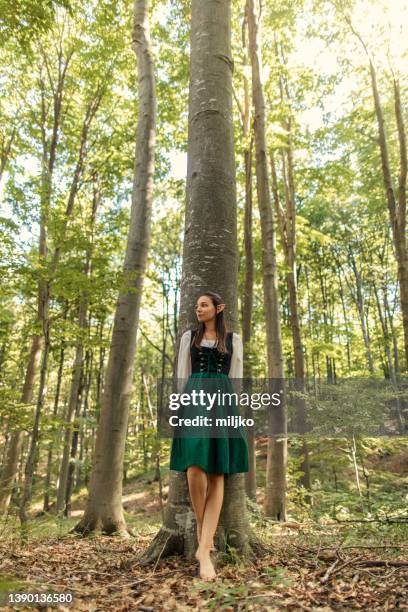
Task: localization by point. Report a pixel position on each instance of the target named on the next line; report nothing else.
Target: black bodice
(210, 359)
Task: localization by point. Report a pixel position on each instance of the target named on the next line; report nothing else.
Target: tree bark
(5, 149)
(17, 437)
(250, 476)
(47, 484)
(400, 236)
(345, 318)
(396, 199)
(83, 433)
(210, 259)
(77, 369)
(104, 505)
(275, 498)
(247, 301)
(358, 297)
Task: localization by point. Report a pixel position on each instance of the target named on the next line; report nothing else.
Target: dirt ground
(103, 573)
(312, 566)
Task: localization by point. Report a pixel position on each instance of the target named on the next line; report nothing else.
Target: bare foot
(212, 546)
(207, 571)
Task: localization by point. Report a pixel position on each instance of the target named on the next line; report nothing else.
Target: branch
(155, 346)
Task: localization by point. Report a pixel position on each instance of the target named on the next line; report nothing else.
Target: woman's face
(205, 309)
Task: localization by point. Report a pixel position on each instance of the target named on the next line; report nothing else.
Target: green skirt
(224, 454)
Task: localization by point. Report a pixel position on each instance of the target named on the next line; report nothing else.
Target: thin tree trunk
(287, 226)
(247, 301)
(353, 453)
(400, 237)
(49, 149)
(83, 428)
(323, 289)
(396, 199)
(396, 204)
(77, 369)
(387, 349)
(275, 498)
(5, 150)
(358, 296)
(390, 319)
(310, 329)
(73, 451)
(346, 321)
(101, 366)
(250, 476)
(104, 505)
(384, 329)
(45, 291)
(32, 451)
(47, 485)
(17, 437)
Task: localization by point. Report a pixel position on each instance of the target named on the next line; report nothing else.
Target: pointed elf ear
(220, 307)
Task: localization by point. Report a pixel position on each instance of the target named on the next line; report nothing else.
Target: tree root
(164, 544)
(86, 527)
(257, 547)
(167, 543)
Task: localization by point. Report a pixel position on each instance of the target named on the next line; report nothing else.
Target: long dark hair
(220, 327)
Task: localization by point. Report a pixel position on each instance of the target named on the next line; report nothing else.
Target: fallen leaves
(104, 574)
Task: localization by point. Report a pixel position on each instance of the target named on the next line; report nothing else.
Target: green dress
(228, 452)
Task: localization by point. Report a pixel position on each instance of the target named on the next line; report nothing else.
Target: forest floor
(314, 563)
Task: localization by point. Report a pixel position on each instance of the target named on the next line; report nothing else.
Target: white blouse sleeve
(184, 361)
(237, 359)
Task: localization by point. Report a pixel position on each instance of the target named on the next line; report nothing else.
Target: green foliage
(222, 596)
(24, 19)
(344, 240)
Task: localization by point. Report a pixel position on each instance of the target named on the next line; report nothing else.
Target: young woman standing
(209, 352)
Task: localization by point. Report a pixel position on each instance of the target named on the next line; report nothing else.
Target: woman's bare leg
(212, 510)
(197, 486)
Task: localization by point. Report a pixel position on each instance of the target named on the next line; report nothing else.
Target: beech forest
(153, 150)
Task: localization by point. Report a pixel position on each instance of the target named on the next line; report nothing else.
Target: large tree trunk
(104, 506)
(210, 259)
(275, 499)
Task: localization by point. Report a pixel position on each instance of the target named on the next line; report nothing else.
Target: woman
(209, 352)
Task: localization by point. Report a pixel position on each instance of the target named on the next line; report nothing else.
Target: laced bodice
(210, 359)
